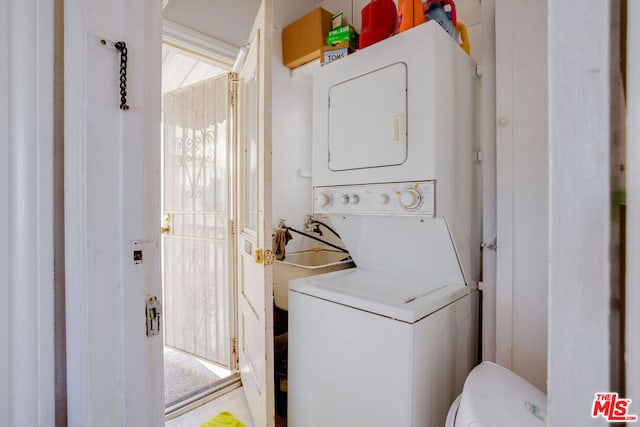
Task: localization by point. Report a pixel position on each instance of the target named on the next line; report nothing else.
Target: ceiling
(224, 20)
(180, 69)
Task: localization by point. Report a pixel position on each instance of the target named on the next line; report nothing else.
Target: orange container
(410, 14)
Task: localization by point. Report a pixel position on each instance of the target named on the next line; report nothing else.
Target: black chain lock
(122, 47)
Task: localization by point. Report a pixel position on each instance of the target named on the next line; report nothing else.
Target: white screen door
(255, 287)
(197, 287)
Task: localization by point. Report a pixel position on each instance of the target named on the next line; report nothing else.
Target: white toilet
(496, 397)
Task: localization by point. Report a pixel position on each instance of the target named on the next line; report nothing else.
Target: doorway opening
(198, 244)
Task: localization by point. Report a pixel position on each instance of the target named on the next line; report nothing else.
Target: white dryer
(391, 341)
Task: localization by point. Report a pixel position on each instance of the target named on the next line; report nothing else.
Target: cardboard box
(333, 53)
(303, 39)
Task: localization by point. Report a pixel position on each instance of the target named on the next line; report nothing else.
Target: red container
(378, 21)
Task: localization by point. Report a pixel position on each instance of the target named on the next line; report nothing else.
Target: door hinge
(232, 226)
(257, 256)
(234, 346)
(153, 310)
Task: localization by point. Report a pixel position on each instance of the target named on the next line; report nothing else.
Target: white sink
(303, 264)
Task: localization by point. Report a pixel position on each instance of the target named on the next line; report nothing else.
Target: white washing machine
(382, 345)
(364, 353)
(390, 342)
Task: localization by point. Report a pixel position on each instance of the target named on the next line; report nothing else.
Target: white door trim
(27, 372)
(579, 209)
(221, 53)
(504, 184)
(488, 139)
(522, 188)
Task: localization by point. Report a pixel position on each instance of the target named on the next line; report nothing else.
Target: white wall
(291, 129)
(26, 213)
(470, 13)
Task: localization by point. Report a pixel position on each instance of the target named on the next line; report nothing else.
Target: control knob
(344, 199)
(410, 198)
(383, 199)
(354, 199)
(323, 200)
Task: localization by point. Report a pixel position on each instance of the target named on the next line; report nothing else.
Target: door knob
(167, 224)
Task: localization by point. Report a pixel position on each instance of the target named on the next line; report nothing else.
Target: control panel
(402, 198)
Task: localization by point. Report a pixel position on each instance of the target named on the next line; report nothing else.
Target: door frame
(31, 286)
(220, 53)
(579, 209)
(231, 203)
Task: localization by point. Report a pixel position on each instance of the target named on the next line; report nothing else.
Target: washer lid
(418, 246)
(398, 296)
(494, 396)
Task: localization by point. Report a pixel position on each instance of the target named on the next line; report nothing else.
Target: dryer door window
(368, 120)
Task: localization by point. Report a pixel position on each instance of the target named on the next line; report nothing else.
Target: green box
(346, 33)
(337, 20)
(342, 30)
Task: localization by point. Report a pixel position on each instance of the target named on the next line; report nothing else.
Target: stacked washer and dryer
(395, 167)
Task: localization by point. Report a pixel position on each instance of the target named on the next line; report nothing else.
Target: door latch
(268, 257)
(153, 311)
(263, 257)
